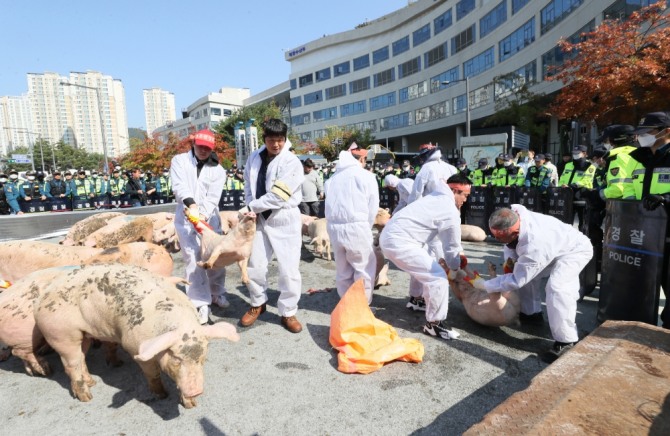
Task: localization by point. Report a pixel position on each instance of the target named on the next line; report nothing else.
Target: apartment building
(159, 108)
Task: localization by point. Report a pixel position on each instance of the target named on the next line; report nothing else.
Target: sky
(188, 48)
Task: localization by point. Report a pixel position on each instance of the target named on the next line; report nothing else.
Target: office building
(159, 108)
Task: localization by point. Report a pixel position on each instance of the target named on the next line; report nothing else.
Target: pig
(219, 251)
(318, 234)
(381, 272)
(306, 221)
(166, 236)
(20, 258)
(495, 309)
(82, 229)
(383, 216)
(472, 233)
(229, 219)
(146, 314)
(122, 230)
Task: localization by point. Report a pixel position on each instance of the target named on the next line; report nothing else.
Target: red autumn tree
(619, 71)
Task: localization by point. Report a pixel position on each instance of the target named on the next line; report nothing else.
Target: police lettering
(625, 258)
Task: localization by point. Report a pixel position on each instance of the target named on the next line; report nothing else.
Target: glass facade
(442, 22)
(436, 55)
(400, 46)
(421, 35)
(518, 4)
(478, 64)
(555, 12)
(323, 74)
(410, 67)
(359, 85)
(306, 80)
(517, 40)
(296, 102)
(341, 69)
(325, 114)
(380, 55)
(448, 76)
(384, 77)
(361, 62)
(493, 19)
(382, 101)
(395, 121)
(464, 39)
(336, 91)
(463, 8)
(355, 108)
(509, 83)
(413, 92)
(313, 97)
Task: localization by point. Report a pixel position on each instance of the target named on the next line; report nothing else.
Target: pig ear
(221, 330)
(151, 347)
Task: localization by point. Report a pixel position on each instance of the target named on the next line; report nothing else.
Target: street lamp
(102, 127)
(32, 153)
(467, 101)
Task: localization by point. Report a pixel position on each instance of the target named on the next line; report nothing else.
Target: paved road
(274, 382)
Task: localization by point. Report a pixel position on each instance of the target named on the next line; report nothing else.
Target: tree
(338, 138)
(619, 71)
(520, 107)
(258, 112)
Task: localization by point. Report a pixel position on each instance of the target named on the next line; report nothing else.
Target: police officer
(462, 167)
(483, 175)
(30, 192)
(538, 176)
(116, 185)
(232, 182)
(57, 189)
(618, 139)
(164, 186)
(8, 196)
(82, 190)
(509, 174)
(105, 191)
(135, 189)
(150, 185)
(553, 175)
(578, 174)
(650, 169)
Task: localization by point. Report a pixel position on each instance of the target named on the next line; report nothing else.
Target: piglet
(145, 314)
(318, 233)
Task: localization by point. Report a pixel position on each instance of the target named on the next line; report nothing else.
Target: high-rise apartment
(159, 108)
(15, 124)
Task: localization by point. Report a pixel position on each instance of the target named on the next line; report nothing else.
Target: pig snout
(190, 383)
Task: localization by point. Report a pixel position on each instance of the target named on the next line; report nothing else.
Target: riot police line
(36, 205)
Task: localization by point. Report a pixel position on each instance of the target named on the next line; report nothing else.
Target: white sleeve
(286, 190)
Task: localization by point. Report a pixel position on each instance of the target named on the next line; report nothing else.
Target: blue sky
(187, 48)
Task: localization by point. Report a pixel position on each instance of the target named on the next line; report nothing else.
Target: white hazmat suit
(406, 235)
(549, 248)
(281, 232)
(352, 203)
(205, 190)
(403, 187)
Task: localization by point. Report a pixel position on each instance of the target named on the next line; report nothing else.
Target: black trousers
(310, 208)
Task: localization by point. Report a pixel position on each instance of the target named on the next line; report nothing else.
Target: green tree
(258, 112)
(338, 138)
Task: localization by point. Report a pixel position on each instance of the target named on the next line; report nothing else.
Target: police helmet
(618, 134)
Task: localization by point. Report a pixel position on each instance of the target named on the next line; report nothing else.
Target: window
(323, 74)
(518, 4)
(384, 77)
(479, 63)
(380, 55)
(227, 112)
(431, 113)
(341, 69)
(216, 111)
(480, 96)
(336, 91)
(358, 107)
(622, 9)
(435, 56)
(313, 97)
(359, 85)
(413, 92)
(509, 83)
(361, 62)
(555, 12)
(517, 40)
(442, 22)
(296, 102)
(493, 19)
(299, 120)
(458, 103)
(464, 39)
(325, 114)
(410, 67)
(293, 84)
(382, 101)
(306, 80)
(450, 76)
(400, 46)
(204, 112)
(395, 122)
(421, 35)
(463, 8)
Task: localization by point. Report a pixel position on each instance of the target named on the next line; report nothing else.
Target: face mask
(461, 167)
(405, 168)
(13, 177)
(31, 178)
(95, 176)
(576, 156)
(3, 180)
(607, 146)
(646, 140)
(507, 164)
(166, 174)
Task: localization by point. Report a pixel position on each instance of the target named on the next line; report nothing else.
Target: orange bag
(366, 343)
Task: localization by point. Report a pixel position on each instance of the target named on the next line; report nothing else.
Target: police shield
(503, 196)
(559, 204)
(227, 200)
(480, 207)
(387, 199)
(238, 194)
(632, 262)
(530, 198)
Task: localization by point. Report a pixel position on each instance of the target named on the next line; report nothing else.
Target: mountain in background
(134, 132)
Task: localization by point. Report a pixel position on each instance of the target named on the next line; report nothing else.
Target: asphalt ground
(275, 382)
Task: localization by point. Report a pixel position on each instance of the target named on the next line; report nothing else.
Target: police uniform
(116, 188)
(538, 177)
(8, 196)
(483, 175)
(30, 193)
(164, 187)
(508, 174)
(578, 173)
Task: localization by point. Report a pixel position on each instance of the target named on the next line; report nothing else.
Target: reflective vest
(232, 183)
(116, 185)
(509, 176)
(582, 178)
(618, 169)
(650, 173)
(81, 187)
(165, 187)
(482, 177)
(538, 177)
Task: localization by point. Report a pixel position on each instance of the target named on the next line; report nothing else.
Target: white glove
(476, 281)
(452, 274)
(245, 209)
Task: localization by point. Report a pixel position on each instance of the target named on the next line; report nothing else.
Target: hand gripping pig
(492, 309)
(219, 251)
(147, 315)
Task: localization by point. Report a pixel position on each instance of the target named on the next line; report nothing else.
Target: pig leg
(152, 372)
(5, 352)
(34, 365)
(326, 247)
(243, 269)
(75, 367)
(111, 358)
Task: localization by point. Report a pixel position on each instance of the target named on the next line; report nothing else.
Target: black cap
(617, 133)
(653, 121)
(483, 161)
(599, 152)
(539, 157)
(547, 156)
(579, 148)
(115, 171)
(81, 171)
(2, 174)
(461, 161)
(68, 173)
(13, 171)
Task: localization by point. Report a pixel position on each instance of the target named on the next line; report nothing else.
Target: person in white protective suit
(273, 179)
(541, 246)
(197, 182)
(432, 173)
(352, 203)
(402, 186)
(404, 239)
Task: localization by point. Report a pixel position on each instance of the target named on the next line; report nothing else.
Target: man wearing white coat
(273, 179)
(352, 203)
(197, 182)
(403, 242)
(541, 246)
(402, 186)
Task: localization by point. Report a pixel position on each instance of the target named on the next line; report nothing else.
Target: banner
(632, 262)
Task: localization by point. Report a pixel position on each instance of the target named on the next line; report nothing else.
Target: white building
(388, 75)
(206, 112)
(159, 108)
(15, 124)
(86, 110)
